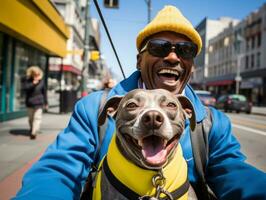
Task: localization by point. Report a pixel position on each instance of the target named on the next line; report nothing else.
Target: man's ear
(139, 58)
(109, 108)
(188, 110)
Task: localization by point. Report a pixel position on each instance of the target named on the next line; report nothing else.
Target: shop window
(25, 56)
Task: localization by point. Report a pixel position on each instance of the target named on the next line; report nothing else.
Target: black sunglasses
(162, 48)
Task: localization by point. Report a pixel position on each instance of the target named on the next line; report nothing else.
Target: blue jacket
(62, 170)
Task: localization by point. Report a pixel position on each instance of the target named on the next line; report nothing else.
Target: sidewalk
(258, 110)
(18, 152)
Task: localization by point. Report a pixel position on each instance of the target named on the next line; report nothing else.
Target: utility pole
(86, 50)
(239, 55)
(148, 2)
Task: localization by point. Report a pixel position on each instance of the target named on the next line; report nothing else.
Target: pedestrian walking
(36, 98)
(166, 48)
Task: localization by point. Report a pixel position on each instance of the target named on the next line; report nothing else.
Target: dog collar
(139, 179)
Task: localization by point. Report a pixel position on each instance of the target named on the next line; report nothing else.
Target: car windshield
(238, 97)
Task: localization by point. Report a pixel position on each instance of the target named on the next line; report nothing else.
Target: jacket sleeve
(28, 84)
(63, 168)
(227, 173)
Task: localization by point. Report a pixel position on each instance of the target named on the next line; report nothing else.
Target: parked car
(234, 102)
(206, 97)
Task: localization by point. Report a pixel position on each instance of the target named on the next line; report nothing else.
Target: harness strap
(130, 194)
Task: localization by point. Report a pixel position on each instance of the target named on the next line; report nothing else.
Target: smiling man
(167, 47)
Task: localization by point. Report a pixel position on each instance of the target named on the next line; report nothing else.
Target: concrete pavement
(18, 152)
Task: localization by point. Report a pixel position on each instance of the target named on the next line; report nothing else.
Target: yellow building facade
(31, 31)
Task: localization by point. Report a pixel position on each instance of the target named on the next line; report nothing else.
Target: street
(250, 130)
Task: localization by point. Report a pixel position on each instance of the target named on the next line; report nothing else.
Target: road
(250, 130)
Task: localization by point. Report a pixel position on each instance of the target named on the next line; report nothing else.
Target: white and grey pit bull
(144, 155)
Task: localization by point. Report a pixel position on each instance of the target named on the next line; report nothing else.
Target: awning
(66, 68)
(220, 83)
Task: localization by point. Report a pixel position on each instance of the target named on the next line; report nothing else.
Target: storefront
(220, 87)
(29, 34)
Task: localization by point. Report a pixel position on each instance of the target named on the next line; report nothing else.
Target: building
(70, 70)
(30, 32)
(223, 61)
(237, 61)
(207, 29)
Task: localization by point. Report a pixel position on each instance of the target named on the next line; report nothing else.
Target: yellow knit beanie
(170, 19)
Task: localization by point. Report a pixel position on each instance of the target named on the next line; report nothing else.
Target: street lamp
(238, 40)
(86, 49)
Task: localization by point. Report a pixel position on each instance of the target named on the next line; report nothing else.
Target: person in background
(36, 98)
(110, 83)
(166, 48)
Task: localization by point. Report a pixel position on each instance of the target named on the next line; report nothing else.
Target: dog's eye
(131, 105)
(171, 105)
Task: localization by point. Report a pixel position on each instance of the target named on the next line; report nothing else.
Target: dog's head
(149, 124)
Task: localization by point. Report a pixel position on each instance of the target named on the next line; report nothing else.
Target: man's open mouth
(169, 76)
(154, 149)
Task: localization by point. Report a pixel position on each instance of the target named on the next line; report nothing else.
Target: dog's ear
(109, 108)
(188, 109)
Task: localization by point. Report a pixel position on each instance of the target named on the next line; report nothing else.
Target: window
(252, 61)
(247, 44)
(259, 40)
(258, 60)
(247, 64)
(253, 42)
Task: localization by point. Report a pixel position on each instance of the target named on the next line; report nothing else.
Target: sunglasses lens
(159, 48)
(186, 50)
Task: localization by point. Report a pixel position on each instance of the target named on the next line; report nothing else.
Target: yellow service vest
(140, 180)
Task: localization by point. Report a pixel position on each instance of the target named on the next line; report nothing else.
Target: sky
(125, 23)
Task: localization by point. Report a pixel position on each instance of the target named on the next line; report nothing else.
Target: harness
(171, 182)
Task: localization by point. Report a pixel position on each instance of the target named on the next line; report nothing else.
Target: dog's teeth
(140, 143)
(165, 143)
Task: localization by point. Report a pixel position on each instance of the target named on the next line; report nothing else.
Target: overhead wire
(109, 37)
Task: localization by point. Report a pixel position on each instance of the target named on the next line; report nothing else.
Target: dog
(144, 157)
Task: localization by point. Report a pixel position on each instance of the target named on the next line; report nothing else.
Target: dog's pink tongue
(155, 154)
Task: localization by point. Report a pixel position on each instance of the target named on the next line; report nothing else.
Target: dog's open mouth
(154, 149)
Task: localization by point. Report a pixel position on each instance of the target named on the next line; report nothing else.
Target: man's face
(170, 72)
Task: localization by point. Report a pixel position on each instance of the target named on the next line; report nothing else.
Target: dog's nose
(152, 119)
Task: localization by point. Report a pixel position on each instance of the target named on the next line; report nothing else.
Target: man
(166, 47)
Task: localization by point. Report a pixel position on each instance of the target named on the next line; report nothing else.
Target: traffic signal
(111, 3)
(95, 55)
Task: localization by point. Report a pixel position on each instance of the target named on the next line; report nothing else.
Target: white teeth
(140, 143)
(165, 143)
(169, 71)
